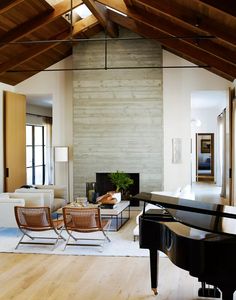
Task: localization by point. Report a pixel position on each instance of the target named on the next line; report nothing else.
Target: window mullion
(33, 154)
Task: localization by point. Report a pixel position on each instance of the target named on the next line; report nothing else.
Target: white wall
(59, 85)
(39, 110)
(177, 87)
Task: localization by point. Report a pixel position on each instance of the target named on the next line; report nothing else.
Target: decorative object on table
(122, 181)
(81, 201)
(107, 198)
(91, 191)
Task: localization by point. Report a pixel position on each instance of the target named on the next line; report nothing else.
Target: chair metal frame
(90, 221)
(32, 224)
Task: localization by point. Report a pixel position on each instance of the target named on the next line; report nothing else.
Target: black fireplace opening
(104, 184)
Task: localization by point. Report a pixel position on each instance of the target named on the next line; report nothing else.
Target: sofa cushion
(7, 216)
(58, 203)
(31, 199)
(60, 191)
(48, 195)
(4, 196)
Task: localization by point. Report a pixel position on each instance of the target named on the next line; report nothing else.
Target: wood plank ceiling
(35, 35)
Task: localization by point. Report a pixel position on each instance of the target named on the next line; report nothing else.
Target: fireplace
(104, 184)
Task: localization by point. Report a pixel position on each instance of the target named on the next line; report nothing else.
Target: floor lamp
(61, 155)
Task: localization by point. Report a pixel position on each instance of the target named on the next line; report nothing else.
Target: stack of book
(108, 205)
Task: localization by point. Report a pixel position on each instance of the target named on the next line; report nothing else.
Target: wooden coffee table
(118, 215)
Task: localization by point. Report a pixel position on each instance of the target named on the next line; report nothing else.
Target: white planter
(117, 196)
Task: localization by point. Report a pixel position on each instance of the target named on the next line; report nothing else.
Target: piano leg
(227, 292)
(154, 265)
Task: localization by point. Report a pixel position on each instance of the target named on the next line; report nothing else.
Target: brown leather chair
(35, 219)
(84, 220)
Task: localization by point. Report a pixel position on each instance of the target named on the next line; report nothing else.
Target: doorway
(205, 157)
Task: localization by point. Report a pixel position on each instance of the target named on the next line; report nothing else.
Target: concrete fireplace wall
(118, 113)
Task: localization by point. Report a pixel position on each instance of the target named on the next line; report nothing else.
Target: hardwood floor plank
(53, 277)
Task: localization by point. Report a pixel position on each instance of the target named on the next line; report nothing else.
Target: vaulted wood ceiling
(35, 35)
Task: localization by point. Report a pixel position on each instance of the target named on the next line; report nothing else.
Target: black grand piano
(197, 236)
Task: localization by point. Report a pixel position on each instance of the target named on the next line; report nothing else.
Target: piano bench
(136, 233)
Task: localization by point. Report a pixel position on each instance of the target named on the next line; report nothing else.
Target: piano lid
(210, 217)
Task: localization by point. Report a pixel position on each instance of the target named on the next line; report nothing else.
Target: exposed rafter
(228, 6)
(100, 12)
(200, 57)
(157, 27)
(34, 35)
(6, 5)
(38, 22)
(198, 39)
(197, 14)
(37, 49)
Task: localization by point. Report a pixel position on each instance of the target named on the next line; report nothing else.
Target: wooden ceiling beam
(190, 36)
(194, 61)
(141, 26)
(33, 25)
(84, 25)
(35, 50)
(167, 39)
(6, 5)
(100, 12)
(128, 2)
(228, 6)
(197, 14)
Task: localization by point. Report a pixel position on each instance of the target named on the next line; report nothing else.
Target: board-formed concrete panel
(118, 113)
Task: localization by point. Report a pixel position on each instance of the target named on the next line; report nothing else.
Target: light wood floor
(43, 277)
(49, 277)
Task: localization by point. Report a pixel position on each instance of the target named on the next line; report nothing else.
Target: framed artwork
(205, 146)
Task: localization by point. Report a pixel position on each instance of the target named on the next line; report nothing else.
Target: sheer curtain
(221, 156)
(48, 150)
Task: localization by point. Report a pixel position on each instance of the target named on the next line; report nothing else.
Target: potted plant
(122, 181)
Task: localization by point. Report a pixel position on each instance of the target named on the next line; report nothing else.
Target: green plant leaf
(121, 180)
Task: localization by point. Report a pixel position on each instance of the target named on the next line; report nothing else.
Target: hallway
(209, 192)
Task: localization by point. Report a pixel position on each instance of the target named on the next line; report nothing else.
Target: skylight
(118, 12)
(82, 11)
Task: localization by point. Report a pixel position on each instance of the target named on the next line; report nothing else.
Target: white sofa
(54, 196)
(9, 200)
(184, 193)
(50, 195)
(29, 199)
(7, 216)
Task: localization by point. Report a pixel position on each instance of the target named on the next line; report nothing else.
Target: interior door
(205, 157)
(14, 141)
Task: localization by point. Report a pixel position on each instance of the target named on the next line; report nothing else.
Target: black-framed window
(35, 154)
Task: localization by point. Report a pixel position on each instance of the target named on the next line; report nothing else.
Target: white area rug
(121, 244)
